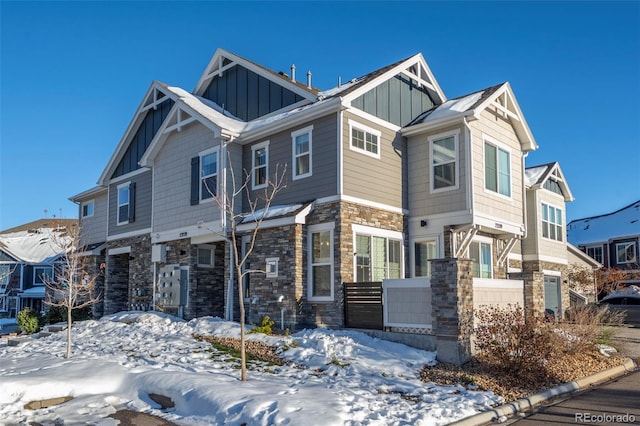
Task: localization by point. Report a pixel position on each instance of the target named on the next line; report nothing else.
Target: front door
(552, 297)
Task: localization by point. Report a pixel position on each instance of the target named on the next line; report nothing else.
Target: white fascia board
(417, 129)
(118, 250)
(133, 125)
(209, 71)
(287, 123)
(209, 231)
(90, 193)
(583, 256)
(299, 218)
(498, 224)
(539, 257)
(129, 234)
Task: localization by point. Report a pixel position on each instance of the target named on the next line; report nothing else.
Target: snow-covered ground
(335, 377)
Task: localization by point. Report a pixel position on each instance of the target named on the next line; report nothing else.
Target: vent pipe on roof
(293, 72)
(309, 79)
(339, 81)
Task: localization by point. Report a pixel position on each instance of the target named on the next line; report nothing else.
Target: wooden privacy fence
(363, 305)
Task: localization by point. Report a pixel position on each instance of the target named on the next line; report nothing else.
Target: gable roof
(471, 106)
(601, 229)
(537, 176)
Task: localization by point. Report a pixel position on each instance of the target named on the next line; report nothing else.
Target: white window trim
(499, 145)
(254, 148)
(485, 240)
(412, 250)
(382, 233)
(552, 223)
(202, 154)
(311, 230)
(354, 124)
(35, 275)
(294, 157)
(435, 138)
(635, 254)
(118, 205)
(4, 303)
(212, 257)
(88, 203)
(271, 267)
(586, 250)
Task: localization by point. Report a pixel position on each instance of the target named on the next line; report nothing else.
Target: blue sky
(73, 74)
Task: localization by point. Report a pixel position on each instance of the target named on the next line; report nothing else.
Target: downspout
(524, 197)
(228, 312)
(470, 165)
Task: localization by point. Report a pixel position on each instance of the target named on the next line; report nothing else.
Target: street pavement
(613, 403)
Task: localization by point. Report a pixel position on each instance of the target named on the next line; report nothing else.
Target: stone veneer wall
(540, 266)
(129, 279)
(94, 267)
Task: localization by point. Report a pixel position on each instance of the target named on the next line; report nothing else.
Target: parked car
(627, 301)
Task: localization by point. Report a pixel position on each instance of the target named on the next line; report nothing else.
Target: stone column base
(453, 349)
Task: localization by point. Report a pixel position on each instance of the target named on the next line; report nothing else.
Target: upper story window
(87, 208)
(42, 275)
(595, 253)
(424, 251)
(259, 165)
(125, 196)
(626, 252)
(497, 168)
(301, 140)
(480, 253)
(444, 161)
(552, 222)
(208, 175)
(364, 139)
(320, 256)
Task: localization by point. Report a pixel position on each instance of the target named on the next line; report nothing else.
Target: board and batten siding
(172, 175)
(380, 180)
(485, 202)
(324, 165)
(94, 227)
(142, 204)
(422, 202)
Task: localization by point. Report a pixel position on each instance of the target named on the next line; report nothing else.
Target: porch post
(452, 300)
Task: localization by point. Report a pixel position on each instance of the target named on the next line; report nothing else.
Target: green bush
(29, 321)
(57, 314)
(264, 327)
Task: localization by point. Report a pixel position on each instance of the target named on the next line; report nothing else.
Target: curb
(522, 404)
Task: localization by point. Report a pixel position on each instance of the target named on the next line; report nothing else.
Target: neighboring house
(28, 255)
(383, 175)
(612, 239)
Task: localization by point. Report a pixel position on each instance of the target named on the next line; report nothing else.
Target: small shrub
(511, 342)
(264, 327)
(585, 326)
(57, 314)
(29, 321)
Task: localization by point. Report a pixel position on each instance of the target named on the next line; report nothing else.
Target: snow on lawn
(335, 377)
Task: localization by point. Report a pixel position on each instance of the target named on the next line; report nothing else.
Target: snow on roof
(273, 211)
(339, 89)
(453, 107)
(622, 223)
(37, 246)
(533, 175)
(33, 292)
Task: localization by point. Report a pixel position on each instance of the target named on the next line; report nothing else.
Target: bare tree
(256, 210)
(72, 285)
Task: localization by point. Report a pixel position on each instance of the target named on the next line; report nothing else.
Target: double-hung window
(625, 252)
(378, 255)
(301, 140)
(423, 252)
(125, 209)
(320, 258)
(42, 275)
(595, 253)
(364, 139)
(480, 253)
(552, 222)
(208, 174)
(259, 165)
(497, 168)
(444, 161)
(205, 256)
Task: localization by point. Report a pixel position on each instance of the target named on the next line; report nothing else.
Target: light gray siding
(535, 243)
(172, 180)
(380, 180)
(422, 201)
(94, 228)
(324, 164)
(142, 204)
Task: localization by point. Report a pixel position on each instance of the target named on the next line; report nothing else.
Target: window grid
(302, 145)
(260, 164)
(552, 222)
(208, 175)
(123, 203)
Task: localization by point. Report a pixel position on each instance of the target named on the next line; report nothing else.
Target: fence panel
(363, 305)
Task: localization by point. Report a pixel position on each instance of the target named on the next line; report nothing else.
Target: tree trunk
(69, 332)
(243, 354)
